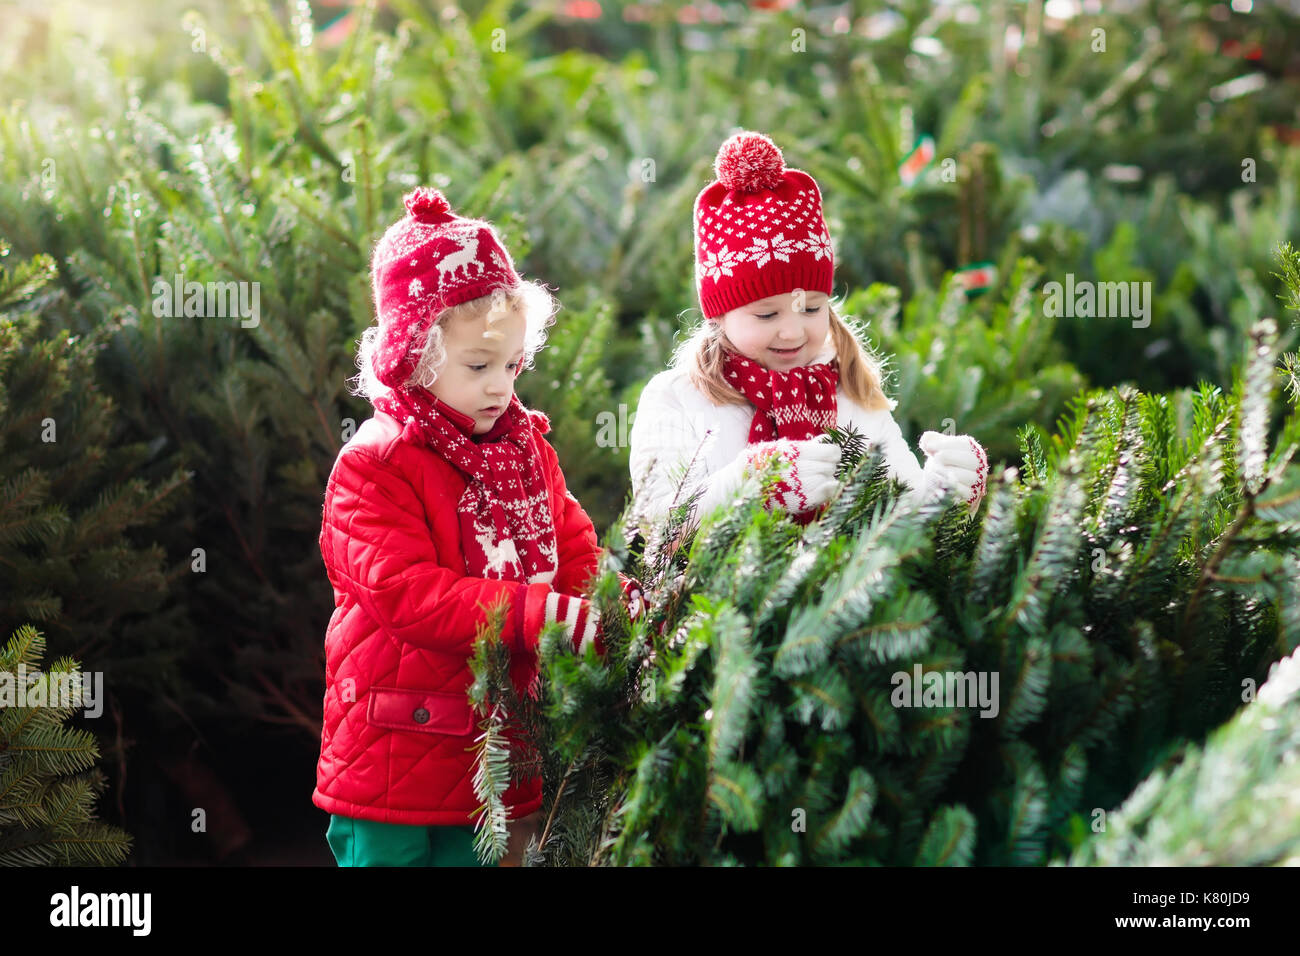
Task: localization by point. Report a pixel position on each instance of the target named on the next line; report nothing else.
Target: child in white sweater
(772, 366)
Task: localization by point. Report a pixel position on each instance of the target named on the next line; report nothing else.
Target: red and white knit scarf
(797, 404)
(506, 527)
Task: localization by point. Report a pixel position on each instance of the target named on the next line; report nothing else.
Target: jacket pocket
(432, 712)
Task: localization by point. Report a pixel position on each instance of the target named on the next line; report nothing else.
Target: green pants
(366, 843)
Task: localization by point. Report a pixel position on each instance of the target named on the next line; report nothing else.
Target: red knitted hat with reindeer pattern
(428, 261)
(758, 229)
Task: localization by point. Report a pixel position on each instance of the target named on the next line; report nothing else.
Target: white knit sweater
(676, 423)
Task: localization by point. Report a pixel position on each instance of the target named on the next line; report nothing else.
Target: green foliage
(982, 368)
(1230, 802)
(74, 495)
(243, 148)
(280, 161)
(48, 777)
(493, 699)
(1121, 589)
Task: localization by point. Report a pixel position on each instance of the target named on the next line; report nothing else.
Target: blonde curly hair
(860, 370)
(532, 298)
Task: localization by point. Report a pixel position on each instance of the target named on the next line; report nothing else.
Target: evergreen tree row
(1124, 586)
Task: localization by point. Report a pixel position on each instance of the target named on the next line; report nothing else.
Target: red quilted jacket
(397, 720)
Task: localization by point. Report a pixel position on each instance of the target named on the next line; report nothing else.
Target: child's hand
(581, 621)
(956, 464)
(808, 471)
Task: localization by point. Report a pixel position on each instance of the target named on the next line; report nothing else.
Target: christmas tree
(74, 495)
(784, 700)
(48, 778)
(1228, 803)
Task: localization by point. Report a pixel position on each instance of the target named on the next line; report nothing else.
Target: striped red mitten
(579, 618)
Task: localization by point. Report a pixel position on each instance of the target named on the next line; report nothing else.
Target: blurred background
(968, 154)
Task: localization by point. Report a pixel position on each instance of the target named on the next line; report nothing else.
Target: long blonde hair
(860, 371)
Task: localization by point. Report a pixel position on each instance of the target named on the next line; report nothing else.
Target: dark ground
(256, 794)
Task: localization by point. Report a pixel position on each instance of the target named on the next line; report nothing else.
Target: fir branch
(736, 685)
(949, 840)
(491, 779)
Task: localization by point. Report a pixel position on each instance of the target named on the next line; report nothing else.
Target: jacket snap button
(421, 715)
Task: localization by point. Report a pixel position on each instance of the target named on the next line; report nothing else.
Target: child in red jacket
(446, 502)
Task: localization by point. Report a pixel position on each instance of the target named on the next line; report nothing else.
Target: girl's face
(477, 378)
(780, 332)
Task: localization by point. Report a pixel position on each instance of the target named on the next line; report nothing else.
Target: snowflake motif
(818, 245)
(415, 288)
(500, 263)
(720, 263)
(765, 250)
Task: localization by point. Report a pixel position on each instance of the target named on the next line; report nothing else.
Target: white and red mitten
(580, 620)
(955, 464)
(807, 480)
(807, 472)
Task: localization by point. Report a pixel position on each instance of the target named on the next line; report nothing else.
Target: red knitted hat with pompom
(758, 229)
(427, 261)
